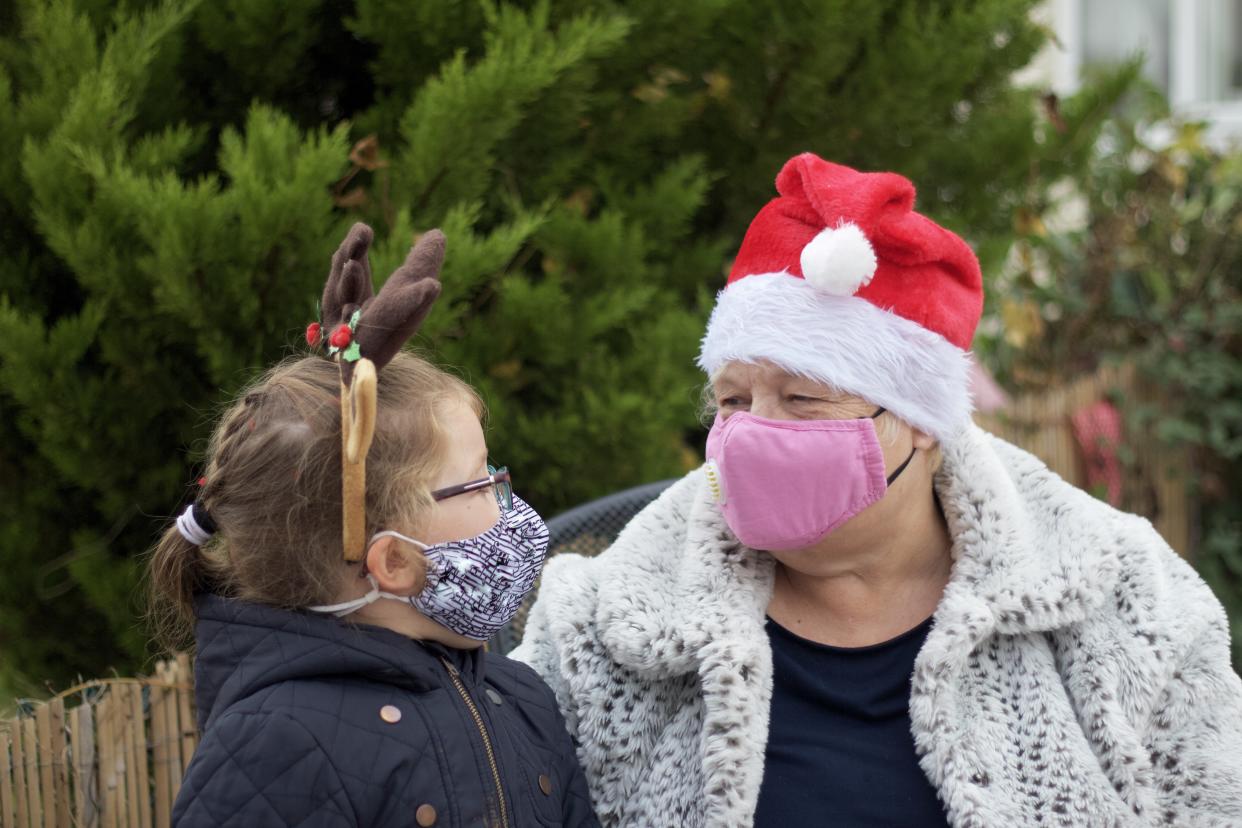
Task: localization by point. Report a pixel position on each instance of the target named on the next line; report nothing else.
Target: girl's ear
(397, 566)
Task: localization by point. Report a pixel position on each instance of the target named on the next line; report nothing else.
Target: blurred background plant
(1139, 261)
(174, 176)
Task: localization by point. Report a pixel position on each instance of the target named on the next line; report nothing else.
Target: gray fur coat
(1077, 672)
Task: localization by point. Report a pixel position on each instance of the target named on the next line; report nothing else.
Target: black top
(839, 748)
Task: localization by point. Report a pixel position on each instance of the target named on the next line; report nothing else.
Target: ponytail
(177, 571)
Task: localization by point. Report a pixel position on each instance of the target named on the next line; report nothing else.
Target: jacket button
(495, 697)
(390, 713)
(426, 816)
(545, 784)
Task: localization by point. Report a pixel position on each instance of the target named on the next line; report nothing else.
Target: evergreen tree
(174, 177)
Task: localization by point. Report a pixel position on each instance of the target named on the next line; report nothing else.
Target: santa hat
(839, 280)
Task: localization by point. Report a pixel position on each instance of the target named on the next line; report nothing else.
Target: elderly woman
(863, 610)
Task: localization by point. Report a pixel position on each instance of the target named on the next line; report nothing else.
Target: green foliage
(1151, 273)
(174, 177)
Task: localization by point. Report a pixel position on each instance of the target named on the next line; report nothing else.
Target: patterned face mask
(474, 586)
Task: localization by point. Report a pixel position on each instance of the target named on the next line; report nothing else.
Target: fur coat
(1077, 671)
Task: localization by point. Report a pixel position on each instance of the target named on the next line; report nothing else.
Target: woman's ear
(397, 566)
(922, 440)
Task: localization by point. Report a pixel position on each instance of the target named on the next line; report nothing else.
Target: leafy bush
(1150, 272)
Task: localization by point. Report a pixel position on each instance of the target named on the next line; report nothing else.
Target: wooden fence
(1155, 476)
(105, 754)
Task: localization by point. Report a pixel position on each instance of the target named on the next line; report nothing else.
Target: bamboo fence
(104, 754)
(1155, 476)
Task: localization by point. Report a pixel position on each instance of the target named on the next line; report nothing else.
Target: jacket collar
(243, 648)
(1031, 554)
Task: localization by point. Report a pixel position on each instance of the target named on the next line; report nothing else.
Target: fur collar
(1031, 554)
(679, 595)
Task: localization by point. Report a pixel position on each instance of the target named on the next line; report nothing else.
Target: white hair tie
(190, 525)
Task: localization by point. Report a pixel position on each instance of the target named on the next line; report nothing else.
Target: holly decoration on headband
(342, 339)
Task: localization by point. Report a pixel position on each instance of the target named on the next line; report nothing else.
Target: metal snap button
(425, 816)
(495, 697)
(545, 784)
(390, 713)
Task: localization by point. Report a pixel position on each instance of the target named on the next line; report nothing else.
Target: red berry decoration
(341, 336)
(313, 334)
(202, 481)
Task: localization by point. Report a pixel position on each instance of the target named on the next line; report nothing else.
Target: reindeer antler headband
(365, 332)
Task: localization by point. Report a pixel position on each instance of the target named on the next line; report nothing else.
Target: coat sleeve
(539, 647)
(540, 650)
(261, 769)
(1195, 730)
(577, 811)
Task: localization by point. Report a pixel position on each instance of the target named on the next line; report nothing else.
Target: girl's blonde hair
(273, 487)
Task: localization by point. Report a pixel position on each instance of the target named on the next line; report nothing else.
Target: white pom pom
(840, 260)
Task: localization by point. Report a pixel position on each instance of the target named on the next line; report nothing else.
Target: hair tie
(195, 525)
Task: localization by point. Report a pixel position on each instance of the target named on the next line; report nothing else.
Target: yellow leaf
(650, 93)
(1190, 137)
(668, 75)
(1022, 322)
(580, 200)
(719, 85)
(508, 370)
(1029, 223)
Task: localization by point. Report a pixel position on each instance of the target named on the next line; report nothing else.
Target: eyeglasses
(498, 478)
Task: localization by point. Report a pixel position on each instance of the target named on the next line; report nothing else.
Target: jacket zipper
(487, 742)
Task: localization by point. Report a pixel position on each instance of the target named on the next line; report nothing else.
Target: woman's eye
(730, 402)
(799, 398)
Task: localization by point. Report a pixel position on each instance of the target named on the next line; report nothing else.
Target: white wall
(1192, 49)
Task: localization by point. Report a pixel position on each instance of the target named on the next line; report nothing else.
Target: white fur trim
(839, 260)
(846, 342)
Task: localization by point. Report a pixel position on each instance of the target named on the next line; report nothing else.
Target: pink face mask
(786, 484)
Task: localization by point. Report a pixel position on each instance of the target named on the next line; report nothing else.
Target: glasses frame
(498, 478)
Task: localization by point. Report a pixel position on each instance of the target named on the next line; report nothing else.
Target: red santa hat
(839, 280)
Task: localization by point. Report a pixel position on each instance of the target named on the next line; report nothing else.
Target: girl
(333, 692)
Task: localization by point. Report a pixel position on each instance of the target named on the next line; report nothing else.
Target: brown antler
(349, 280)
(385, 321)
(403, 303)
(390, 318)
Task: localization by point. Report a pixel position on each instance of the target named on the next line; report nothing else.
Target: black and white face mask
(474, 586)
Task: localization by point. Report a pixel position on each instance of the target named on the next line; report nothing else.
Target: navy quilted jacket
(310, 721)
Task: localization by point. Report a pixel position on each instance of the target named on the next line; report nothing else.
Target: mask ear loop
(346, 607)
(896, 472)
